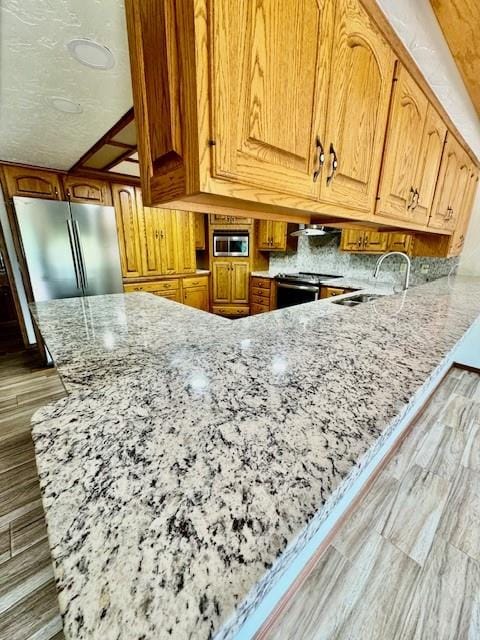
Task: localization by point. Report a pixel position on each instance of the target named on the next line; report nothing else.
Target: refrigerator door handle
(73, 247)
(80, 254)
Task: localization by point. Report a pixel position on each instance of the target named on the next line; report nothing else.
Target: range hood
(313, 230)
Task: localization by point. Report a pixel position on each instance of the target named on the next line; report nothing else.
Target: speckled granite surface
(194, 452)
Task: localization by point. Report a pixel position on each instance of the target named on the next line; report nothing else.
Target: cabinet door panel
(168, 244)
(264, 234)
(458, 236)
(185, 232)
(429, 160)
(270, 74)
(32, 183)
(126, 214)
(375, 241)
(279, 235)
(402, 148)
(196, 297)
(221, 282)
(200, 235)
(452, 180)
(240, 275)
(359, 96)
(87, 190)
(352, 240)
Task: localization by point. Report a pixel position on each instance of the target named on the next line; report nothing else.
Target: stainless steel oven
(298, 288)
(231, 244)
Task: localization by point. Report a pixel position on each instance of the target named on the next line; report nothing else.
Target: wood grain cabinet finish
(32, 183)
(230, 282)
(452, 184)
(396, 194)
(185, 237)
(272, 236)
(262, 295)
(200, 232)
(196, 293)
(364, 241)
(361, 76)
(457, 239)
(87, 190)
(126, 214)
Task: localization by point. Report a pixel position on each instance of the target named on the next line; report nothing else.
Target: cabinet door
(185, 232)
(375, 241)
(200, 235)
(402, 148)
(279, 236)
(269, 83)
(359, 96)
(126, 214)
(431, 149)
(352, 240)
(264, 235)
(239, 288)
(399, 242)
(452, 177)
(196, 297)
(167, 225)
(221, 282)
(87, 190)
(458, 236)
(32, 183)
(149, 238)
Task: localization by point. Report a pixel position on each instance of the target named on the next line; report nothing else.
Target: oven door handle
(302, 287)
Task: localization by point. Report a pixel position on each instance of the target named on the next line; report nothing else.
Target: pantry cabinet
(152, 241)
(230, 282)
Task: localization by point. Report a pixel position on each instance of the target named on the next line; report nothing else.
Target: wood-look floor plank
(460, 413)
(356, 601)
(27, 530)
(415, 513)
(471, 454)
(4, 544)
(16, 451)
(441, 451)
(460, 524)
(17, 476)
(19, 500)
(23, 574)
(446, 601)
(355, 531)
(34, 618)
(469, 384)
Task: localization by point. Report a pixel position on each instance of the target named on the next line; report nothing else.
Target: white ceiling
(35, 65)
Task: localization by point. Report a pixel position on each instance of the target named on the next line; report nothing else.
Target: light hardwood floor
(28, 600)
(406, 563)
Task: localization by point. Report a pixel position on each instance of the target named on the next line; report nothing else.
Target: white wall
(416, 25)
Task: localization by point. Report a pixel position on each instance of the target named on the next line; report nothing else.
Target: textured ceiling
(416, 25)
(35, 65)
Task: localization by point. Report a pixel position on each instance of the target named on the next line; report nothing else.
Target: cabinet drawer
(258, 308)
(231, 311)
(152, 287)
(170, 295)
(260, 300)
(263, 293)
(198, 281)
(262, 283)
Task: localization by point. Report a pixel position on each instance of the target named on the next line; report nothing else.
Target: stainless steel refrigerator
(70, 249)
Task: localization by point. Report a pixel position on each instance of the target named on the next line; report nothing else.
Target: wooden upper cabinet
(87, 190)
(185, 236)
(458, 236)
(402, 148)
(200, 232)
(32, 183)
(149, 236)
(272, 236)
(451, 185)
(431, 149)
(126, 213)
(270, 63)
(167, 226)
(359, 95)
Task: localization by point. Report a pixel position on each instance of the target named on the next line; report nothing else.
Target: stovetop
(305, 277)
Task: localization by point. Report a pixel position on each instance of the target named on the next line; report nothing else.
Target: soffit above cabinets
(37, 71)
(460, 24)
(415, 23)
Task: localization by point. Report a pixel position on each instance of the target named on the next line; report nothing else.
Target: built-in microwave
(233, 244)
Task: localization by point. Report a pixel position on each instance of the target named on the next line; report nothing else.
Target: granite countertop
(194, 453)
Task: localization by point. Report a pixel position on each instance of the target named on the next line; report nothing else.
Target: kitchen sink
(353, 301)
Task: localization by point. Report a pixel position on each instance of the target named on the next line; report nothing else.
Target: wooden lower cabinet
(192, 291)
(331, 292)
(262, 295)
(230, 284)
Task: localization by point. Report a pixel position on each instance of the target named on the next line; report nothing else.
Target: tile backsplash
(321, 254)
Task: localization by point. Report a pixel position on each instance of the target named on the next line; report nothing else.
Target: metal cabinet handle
(320, 158)
(334, 164)
(416, 195)
(411, 196)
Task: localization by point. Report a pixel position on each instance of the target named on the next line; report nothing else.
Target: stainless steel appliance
(233, 244)
(70, 249)
(298, 288)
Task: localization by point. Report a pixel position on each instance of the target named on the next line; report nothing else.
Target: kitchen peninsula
(195, 456)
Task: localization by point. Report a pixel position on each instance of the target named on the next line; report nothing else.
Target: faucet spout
(380, 260)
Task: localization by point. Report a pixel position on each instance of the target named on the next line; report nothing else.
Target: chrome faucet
(395, 253)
